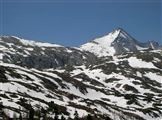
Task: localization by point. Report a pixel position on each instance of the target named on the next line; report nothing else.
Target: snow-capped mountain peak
(116, 42)
(123, 33)
(102, 46)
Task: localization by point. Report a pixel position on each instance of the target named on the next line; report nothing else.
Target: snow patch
(138, 63)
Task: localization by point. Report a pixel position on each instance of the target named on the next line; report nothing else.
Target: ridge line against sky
(76, 22)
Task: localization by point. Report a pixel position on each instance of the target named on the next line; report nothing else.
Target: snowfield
(134, 62)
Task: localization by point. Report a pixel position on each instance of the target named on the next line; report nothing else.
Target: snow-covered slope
(14, 39)
(116, 42)
(102, 46)
(56, 80)
(115, 88)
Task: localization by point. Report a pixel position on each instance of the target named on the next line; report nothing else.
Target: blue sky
(74, 22)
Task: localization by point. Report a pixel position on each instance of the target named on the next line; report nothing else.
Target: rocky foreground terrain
(114, 77)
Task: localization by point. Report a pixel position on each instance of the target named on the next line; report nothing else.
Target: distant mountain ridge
(45, 55)
(115, 43)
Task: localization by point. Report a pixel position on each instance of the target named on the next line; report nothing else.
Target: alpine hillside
(114, 77)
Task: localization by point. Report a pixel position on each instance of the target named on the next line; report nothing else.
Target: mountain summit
(117, 42)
